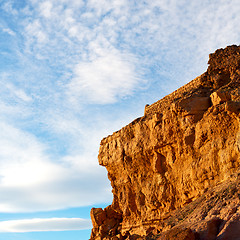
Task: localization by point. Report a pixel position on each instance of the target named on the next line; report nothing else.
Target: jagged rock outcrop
(174, 171)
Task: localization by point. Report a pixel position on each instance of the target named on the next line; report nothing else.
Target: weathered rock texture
(174, 171)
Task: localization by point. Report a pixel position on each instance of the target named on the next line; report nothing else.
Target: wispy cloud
(17, 92)
(9, 31)
(104, 79)
(8, 7)
(31, 181)
(44, 225)
(72, 35)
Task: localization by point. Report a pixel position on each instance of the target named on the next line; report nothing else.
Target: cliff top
(223, 72)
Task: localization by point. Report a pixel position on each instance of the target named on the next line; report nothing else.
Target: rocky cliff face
(174, 171)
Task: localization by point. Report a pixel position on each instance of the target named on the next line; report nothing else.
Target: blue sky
(75, 71)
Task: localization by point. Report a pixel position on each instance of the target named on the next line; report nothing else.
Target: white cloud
(9, 31)
(42, 225)
(151, 31)
(8, 7)
(31, 181)
(104, 79)
(23, 163)
(35, 29)
(19, 93)
(46, 8)
(10, 91)
(105, 6)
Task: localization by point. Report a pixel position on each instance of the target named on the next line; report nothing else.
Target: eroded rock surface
(184, 150)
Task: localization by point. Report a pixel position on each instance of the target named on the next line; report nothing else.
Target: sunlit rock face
(164, 166)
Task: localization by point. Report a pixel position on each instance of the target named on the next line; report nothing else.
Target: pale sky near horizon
(75, 71)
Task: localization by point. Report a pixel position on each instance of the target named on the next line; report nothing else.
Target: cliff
(175, 171)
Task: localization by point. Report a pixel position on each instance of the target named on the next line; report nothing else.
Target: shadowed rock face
(185, 145)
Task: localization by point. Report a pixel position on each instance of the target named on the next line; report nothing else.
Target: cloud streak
(44, 225)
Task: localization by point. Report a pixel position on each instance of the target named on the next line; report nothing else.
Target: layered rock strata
(184, 146)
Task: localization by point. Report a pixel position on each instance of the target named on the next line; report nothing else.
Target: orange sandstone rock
(185, 145)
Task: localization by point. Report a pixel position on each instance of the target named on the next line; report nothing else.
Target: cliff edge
(175, 171)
